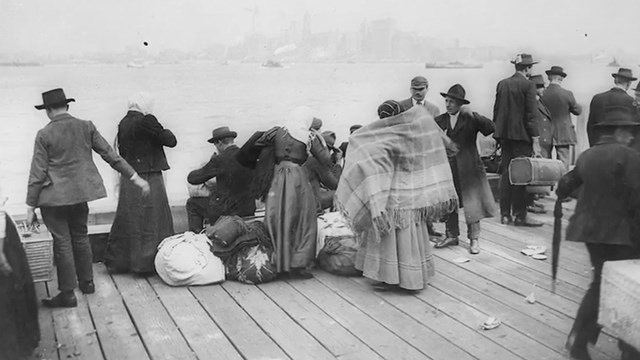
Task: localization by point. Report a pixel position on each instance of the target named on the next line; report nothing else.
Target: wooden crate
(620, 300)
(40, 257)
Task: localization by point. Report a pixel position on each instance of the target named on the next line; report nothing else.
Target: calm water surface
(193, 99)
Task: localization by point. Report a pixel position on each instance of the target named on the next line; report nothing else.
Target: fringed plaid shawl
(396, 173)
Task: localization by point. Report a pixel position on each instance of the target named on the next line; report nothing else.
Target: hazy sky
(75, 26)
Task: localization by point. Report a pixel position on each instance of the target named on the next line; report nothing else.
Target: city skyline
(71, 27)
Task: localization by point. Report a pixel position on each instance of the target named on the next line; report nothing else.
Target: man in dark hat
(231, 194)
(515, 116)
(561, 103)
(606, 215)
(616, 96)
(469, 178)
(63, 178)
(418, 89)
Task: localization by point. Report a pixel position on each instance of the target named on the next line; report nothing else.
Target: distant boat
(271, 64)
(614, 63)
(19, 63)
(452, 65)
(136, 64)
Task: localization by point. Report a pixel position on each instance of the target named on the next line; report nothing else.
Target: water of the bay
(193, 99)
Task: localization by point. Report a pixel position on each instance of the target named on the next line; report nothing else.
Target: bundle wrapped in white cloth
(331, 224)
(186, 259)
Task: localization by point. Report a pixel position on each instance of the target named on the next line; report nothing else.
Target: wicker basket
(40, 257)
(620, 300)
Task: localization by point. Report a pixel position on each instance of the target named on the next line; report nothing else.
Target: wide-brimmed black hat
(537, 80)
(618, 116)
(221, 133)
(524, 59)
(53, 98)
(456, 92)
(556, 70)
(624, 73)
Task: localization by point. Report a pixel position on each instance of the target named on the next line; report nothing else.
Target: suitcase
(535, 171)
(620, 300)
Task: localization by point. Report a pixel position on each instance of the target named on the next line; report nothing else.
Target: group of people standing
(404, 171)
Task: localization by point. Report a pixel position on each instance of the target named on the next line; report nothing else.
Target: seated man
(231, 195)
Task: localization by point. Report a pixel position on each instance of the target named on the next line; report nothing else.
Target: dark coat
(561, 104)
(62, 167)
(468, 171)
(141, 139)
(608, 208)
(544, 124)
(515, 110)
(232, 194)
(431, 108)
(322, 176)
(613, 97)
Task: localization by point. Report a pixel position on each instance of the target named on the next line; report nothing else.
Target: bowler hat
(456, 92)
(221, 133)
(556, 70)
(625, 73)
(537, 80)
(53, 98)
(419, 82)
(524, 59)
(618, 116)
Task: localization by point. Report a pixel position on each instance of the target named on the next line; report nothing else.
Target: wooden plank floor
(331, 317)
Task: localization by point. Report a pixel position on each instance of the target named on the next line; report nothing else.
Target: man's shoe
(474, 246)
(87, 287)
(63, 299)
(506, 219)
(527, 222)
(450, 241)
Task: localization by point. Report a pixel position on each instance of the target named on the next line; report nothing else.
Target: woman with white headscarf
(290, 204)
(141, 222)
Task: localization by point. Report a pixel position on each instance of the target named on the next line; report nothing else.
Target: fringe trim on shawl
(399, 218)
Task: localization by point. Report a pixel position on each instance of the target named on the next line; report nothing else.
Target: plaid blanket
(396, 173)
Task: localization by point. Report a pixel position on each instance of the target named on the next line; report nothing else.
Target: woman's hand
(142, 184)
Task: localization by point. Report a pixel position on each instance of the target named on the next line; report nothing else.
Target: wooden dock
(331, 317)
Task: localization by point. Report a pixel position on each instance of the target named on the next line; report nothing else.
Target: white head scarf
(298, 124)
(142, 102)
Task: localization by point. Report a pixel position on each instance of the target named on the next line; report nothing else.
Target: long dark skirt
(139, 226)
(290, 216)
(19, 328)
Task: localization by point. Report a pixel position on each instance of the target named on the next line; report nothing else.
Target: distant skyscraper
(306, 27)
(380, 34)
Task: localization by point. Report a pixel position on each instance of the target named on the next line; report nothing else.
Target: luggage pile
(228, 250)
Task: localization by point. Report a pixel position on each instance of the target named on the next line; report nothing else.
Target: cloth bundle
(245, 248)
(250, 261)
(226, 230)
(397, 172)
(186, 259)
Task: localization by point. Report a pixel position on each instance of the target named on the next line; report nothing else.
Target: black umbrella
(557, 237)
